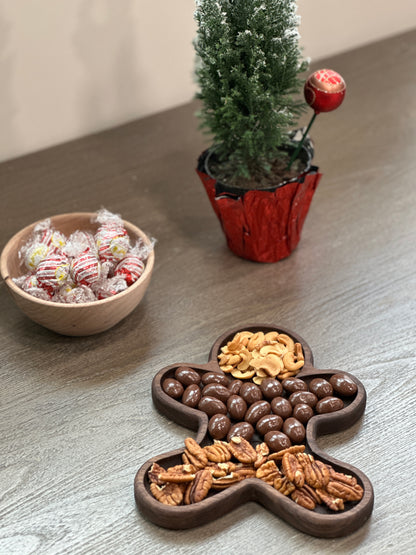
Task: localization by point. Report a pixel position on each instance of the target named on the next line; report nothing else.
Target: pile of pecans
(261, 355)
(292, 472)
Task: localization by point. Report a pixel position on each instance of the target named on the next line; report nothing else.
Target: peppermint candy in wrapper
(73, 294)
(109, 219)
(33, 254)
(79, 242)
(44, 233)
(110, 287)
(85, 269)
(113, 243)
(130, 268)
(29, 284)
(54, 239)
(53, 271)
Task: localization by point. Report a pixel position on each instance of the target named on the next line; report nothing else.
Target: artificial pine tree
(248, 67)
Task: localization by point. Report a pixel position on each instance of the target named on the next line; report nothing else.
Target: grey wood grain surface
(76, 416)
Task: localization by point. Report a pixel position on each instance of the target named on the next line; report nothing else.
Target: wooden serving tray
(320, 522)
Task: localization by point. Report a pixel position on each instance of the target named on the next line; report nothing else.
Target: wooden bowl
(72, 318)
(320, 522)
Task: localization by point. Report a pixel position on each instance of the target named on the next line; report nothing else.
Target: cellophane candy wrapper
(111, 238)
(75, 294)
(83, 267)
(29, 284)
(53, 271)
(110, 287)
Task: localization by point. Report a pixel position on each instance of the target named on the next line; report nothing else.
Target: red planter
(262, 225)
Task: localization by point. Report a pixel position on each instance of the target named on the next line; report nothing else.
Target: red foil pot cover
(263, 226)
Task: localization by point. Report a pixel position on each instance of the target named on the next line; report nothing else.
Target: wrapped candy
(79, 242)
(33, 254)
(113, 243)
(130, 268)
(54, 239)
(106, 218)
(112, 240)
(43, 242)
(110, 287)
(46, 234)
(85, 269)
(71, 293)
(82, 267)
(53, 271)
(29, 284)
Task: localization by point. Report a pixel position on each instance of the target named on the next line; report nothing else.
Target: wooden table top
(76, 415)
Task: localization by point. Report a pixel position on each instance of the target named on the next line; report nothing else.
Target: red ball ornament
(324, 90)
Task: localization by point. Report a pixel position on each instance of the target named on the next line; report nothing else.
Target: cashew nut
(290, 363)
(255, 340)
(299, 352)
(242, 375)
(287, 341)
(245, 361)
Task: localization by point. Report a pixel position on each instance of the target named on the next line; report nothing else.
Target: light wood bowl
(72, 318)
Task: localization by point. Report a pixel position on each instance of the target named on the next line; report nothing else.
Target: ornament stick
(295, 154)
(324, 91)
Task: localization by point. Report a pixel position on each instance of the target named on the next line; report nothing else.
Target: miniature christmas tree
(248, 71)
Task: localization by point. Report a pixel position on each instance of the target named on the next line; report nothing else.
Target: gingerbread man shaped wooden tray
(252, 446)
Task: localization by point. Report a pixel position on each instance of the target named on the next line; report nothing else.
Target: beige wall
(72, 67)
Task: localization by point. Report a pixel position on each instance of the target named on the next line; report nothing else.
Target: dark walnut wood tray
(320, 522)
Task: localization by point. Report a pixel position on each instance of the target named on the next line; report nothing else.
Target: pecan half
(244, 472)
(316, 472)
(292, 449)
(340, 477)
(292, 469)
(178, 474)
(168, 494)
(302, 498)
(225, 482)
(262, 450)
(154, 472)
(195, 454)
(219, 470)
(218, 452)
(239, 472)
(268, 472)
(344, 491)
(242, 450)
(332, 502)
(312, 493)
(284, 485)
(200, 486)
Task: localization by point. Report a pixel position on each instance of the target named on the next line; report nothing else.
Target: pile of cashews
(258, 355)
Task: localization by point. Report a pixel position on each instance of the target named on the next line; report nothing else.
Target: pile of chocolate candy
(83, 267)
(276, 411)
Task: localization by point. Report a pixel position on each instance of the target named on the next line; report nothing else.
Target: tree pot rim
(306, 154)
